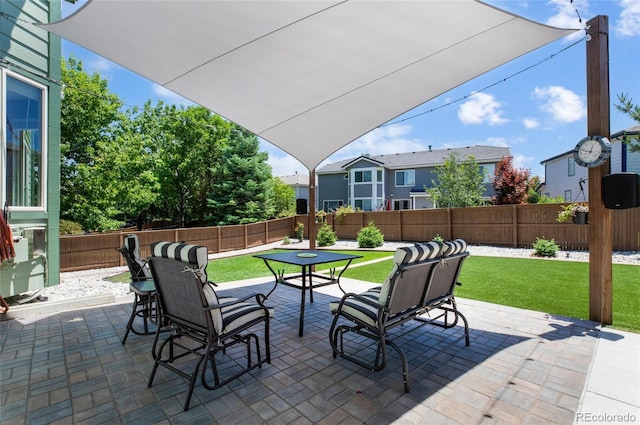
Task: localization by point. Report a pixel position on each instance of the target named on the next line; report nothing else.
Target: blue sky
(538, 113)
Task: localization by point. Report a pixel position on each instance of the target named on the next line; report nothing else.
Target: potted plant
(578, 212)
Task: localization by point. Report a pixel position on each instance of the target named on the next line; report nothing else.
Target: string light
(484, 88)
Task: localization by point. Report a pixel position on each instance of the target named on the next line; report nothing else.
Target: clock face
(592, 151)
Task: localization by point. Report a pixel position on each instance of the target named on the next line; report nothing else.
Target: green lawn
(555, 287)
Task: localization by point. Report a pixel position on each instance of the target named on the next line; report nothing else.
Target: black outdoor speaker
(621, 190)
(301, 206)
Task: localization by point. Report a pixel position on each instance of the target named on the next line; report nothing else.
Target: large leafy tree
(89, 112)
(243, 193)
(458, 183)
(284, 198)
(627, 106)
(189, 144)
(510, 184)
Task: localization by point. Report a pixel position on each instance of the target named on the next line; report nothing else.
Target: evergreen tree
(627, 106)
(243, 176)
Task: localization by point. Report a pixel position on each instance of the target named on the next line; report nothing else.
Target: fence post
(449, 225)
(514, 220)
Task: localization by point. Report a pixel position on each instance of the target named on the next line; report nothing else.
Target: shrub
(326, 236)
(545, 248)
(299, 231)
(342, 211)
(70, 228)
(286, 240)
(438, 238)
(370, 236)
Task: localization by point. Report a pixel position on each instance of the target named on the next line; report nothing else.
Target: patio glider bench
(422, 280)
(201, 323)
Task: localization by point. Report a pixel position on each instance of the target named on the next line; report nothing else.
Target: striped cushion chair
(396, 301)
(144, 312)
(192, 310)
(444, 281)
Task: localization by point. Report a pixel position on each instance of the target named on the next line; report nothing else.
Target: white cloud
(382, 140)
(500, 142)
(523, 161)
(562, 104)
(286, 165)
(530, 123)
(567, 16)
(481, 108)
(100, 65)
(169, 96)
(629, 22)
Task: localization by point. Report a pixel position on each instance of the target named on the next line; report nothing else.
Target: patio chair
(444, 281)
(373, 313)
(201, 323)
(142, 286)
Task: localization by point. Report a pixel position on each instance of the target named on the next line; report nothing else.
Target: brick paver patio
(522, 367)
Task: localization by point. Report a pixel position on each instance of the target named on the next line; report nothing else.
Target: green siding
(36, 55)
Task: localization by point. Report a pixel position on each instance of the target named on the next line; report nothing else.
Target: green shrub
(545, 248)
(342, 211)
(299, 231)
(438, 238)
(286, 240)
(326, 236)
(370, 236)
(70, 228)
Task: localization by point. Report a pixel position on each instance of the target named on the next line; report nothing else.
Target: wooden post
(312, 209)
(600, 222)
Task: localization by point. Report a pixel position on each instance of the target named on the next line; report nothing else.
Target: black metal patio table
(306, 260)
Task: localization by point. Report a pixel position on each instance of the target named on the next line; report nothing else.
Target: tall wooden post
(600, 221)
(312, 209)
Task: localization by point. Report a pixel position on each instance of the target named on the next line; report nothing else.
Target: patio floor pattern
(522, 367)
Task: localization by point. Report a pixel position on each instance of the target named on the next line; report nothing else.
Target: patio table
(306, 260)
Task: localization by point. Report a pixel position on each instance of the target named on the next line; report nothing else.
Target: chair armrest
(259, 299)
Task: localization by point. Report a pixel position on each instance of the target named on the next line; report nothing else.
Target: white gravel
(92, 282)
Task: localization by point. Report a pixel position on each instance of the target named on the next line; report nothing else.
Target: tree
(627, 106)
(89, 113)
(242, 194)
(510, 184)
(459, 183)
(284, 198)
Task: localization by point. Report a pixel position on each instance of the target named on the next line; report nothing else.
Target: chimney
(429, 148)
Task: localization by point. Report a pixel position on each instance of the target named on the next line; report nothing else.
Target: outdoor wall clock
(592, 151)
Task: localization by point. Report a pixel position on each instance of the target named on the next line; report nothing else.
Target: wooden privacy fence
(503, 225)
(94, 251)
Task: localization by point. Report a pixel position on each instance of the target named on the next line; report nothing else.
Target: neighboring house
(395, 181)
(563, 177)
(300, 185)
(30, 143)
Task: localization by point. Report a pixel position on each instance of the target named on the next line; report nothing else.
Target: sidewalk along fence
(502, 225)
(94, 251)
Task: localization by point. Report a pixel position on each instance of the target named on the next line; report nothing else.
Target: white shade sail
(306, 76)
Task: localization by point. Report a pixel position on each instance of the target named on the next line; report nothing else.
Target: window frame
(44, 140)
(411, 172)
(571, 166)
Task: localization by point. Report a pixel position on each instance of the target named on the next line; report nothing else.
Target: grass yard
(555, 287)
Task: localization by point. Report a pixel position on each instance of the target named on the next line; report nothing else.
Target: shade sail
(306, 76)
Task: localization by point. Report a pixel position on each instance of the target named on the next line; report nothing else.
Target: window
(402, 204)
(567, 196)
(488, 171)
(331, 205)
(363, 204)
(362, 176)
(571, 166)
(24, 154)
(405, 178)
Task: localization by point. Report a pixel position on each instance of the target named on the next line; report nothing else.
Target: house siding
(35, 55)
(331, 182)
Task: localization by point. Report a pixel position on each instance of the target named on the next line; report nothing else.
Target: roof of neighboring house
(296, 180)
(631, 131)
(430, 158)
